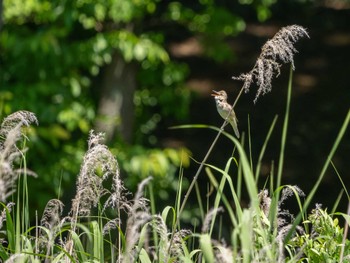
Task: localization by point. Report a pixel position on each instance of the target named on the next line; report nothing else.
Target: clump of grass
(69, 237)
(81, 236)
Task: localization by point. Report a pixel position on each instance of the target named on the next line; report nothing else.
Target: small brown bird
(224, 108)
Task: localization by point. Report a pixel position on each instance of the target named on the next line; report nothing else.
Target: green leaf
(206, 248)
(143, 256)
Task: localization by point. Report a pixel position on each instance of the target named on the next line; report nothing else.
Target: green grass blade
(246, 236)
(142, 240)
(207, 248)
(224, 199)
(10, 230)
(220, 190)
(79, 247)
(263, 149)
(341, 181)
(199, 200)
(337, 201)
(97, 241)
(250, 144)
(165, 214)
(247, 174)
(143, 256)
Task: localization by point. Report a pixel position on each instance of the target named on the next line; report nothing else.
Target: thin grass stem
(341, 181)
(346, 230)
(274, 204)
(263, 149)
(200, 203)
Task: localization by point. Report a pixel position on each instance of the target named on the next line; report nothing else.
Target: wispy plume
(51, 224)
(278, 49)
(10, 133)
(138, 216)
(165, 251)
(52, 214)
(98, 164)
(209, 217)
(18, 118)
(282, 214)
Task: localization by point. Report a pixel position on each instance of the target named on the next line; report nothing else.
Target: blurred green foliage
(51, 57)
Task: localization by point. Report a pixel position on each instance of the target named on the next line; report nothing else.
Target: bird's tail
(235, 128)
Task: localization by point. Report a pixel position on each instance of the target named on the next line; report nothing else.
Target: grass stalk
(200, 203)
(153, 209)
(345, 234)
(274, 204)
(263, 149)
(341, 181)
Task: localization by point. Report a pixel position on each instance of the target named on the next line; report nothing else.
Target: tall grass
(107, 224)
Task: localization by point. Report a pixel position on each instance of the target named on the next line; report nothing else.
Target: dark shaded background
(320, 96)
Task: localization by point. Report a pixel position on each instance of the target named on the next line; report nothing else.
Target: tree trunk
(116, 108)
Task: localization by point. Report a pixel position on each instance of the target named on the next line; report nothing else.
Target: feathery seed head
(98, 164)
(279, 48)
(52, 214)
(10, 134)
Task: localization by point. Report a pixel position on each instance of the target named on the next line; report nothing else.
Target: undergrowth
(106, 223)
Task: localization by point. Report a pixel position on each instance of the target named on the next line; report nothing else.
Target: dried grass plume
(279, 48)
(11, 132)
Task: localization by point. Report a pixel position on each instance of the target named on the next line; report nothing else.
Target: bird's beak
(215, 93)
